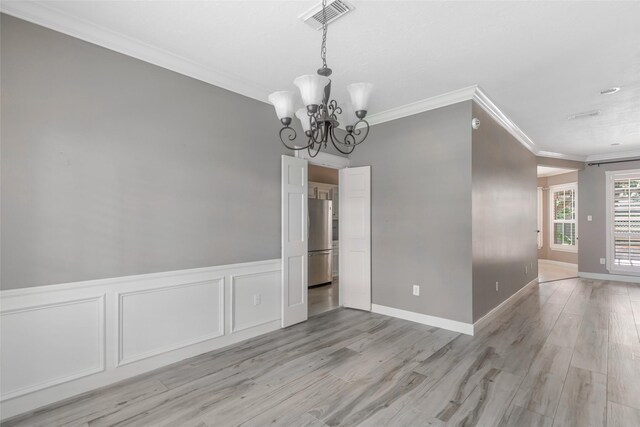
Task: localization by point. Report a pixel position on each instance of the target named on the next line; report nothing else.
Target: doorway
(324, 246)
(557, 224)
(353, 260)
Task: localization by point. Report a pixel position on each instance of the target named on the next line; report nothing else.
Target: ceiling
(539, 62)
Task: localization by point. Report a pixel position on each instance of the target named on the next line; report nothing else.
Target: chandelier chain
(323, 49)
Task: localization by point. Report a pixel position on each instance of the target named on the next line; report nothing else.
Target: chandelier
(319, 117)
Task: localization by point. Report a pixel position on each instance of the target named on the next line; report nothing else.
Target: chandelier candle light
(319, 117)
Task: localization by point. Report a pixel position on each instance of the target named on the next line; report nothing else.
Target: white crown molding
(613, 156)
(476, 94)
(486, 104)
(438, 101)
(48, 16)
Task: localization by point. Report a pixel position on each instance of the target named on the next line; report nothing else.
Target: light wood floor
(323, 298)
(567, 355)
(548, 272)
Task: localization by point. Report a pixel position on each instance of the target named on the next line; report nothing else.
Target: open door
(355, 237)
(294, 240)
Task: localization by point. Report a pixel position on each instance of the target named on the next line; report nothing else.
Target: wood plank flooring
(323, 298)
(548, 271)
(568, 354)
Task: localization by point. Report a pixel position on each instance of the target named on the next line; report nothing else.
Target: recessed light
(583, 115)
(609, 91)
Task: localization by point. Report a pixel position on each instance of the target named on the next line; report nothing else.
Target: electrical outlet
(416, 290)
(497, 286)
(603, 261)
(257, 299)
(589, 218)
(526, 269)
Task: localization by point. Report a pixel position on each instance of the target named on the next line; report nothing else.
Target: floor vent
(335, 9)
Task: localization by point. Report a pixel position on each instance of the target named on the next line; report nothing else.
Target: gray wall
(546, 252)
(504, 215)
(592, 201)
(112, 166)
(421, 210)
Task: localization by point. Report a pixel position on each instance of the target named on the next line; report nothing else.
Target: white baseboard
(615, 277)
(560, 263)
(107, 324)
(487, 318)
(439, 322)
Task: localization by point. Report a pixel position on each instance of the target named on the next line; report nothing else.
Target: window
(563, 224)
(623, 221)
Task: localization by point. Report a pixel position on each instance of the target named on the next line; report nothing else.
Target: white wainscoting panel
(59, 341)
(49, 344)
(255, 299)
(158, 320)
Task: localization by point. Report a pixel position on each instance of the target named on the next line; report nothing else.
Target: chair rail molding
(124, 326)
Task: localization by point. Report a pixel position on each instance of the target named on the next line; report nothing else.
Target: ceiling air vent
(335, 10)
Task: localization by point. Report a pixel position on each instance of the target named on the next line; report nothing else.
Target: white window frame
(552, 245)
(610, 177)
(540, 220)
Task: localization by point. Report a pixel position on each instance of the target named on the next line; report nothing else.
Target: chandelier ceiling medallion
(319, 117)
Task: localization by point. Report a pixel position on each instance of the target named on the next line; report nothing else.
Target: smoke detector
(335, 9)
(584, 115)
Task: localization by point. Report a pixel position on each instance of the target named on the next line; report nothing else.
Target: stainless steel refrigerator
(320, 241)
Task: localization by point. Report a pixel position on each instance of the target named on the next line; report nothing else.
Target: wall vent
(584, 115)
(335, 9)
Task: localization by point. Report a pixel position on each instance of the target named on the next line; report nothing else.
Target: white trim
(43, 13)
(610, 277)
(75, 375)
(232, 289)
(610, 176)
(613, 156)
(560, 263)
(324, 159)
(438, 322)
(13, 293)
(121, 296)
(111, 366)
(540, 218)
(427, 104)
(487, 318)
(483, 101)
(552, 189)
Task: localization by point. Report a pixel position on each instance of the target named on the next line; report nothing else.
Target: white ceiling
(539, 62)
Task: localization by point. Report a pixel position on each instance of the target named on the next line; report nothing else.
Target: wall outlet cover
(416, 290)
(603, 261)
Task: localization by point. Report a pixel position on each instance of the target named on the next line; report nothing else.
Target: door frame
(329, 161)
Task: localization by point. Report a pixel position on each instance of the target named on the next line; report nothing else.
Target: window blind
(626, 221)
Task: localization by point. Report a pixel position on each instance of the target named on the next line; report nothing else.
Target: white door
(294, 240)
(355, 237)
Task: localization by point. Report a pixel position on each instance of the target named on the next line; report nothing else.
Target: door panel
(294, 240)
(355, 237)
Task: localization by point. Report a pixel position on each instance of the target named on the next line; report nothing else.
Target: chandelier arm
(311, 153)
(318, 135)
(357, 132)
(292, 136)
(335, 141)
